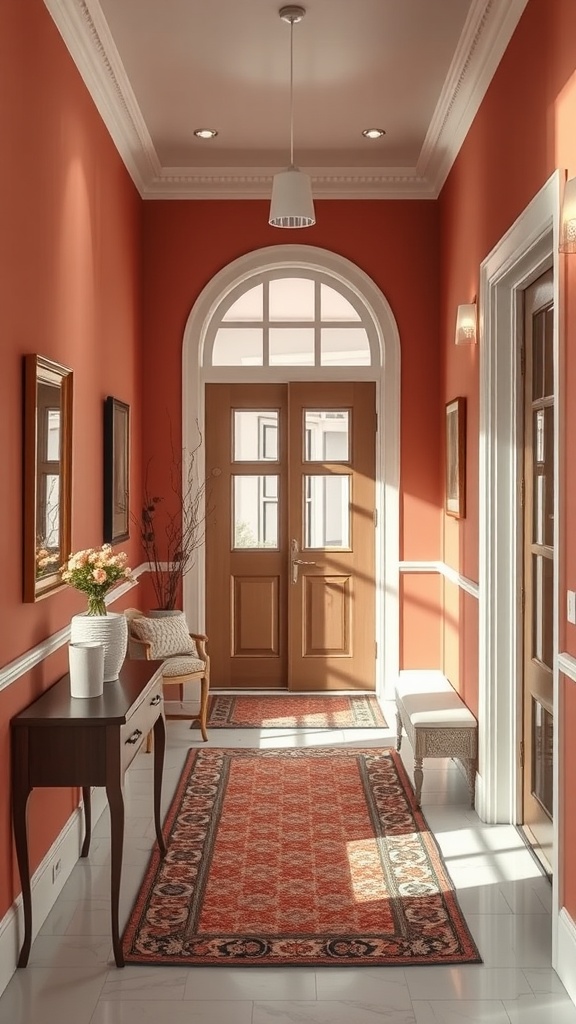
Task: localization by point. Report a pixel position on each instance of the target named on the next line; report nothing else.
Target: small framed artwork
(456, 458)
(116, 470)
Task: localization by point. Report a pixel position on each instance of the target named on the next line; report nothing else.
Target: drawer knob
(155, 700)
(135, 736)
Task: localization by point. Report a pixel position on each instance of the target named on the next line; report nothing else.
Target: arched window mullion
(266, 322)
(317, 323)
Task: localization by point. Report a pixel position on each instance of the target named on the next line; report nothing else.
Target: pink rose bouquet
(94, 571)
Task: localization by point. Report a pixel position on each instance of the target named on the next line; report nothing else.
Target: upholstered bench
(437, 723)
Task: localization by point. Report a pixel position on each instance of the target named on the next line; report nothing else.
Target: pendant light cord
(291, 92)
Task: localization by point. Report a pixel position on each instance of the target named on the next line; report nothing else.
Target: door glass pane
(291, 346)
(542, 755)
(292, 298)
(326, 435)
(326, 511)
(548, 352)
(542, 609)
(344, 346)
(543, 526)
(255, 511)
(238, 346)
(542, 354)
(255, 435)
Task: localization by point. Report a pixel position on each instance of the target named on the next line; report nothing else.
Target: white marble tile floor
(71, 977)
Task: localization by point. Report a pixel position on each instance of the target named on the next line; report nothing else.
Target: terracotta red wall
(70, 290)
(523, 131)
(395, 243)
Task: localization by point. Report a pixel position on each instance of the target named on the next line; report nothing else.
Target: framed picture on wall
(116, 470)
(456, 458)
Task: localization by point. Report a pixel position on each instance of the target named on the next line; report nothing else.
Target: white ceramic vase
(110, 630)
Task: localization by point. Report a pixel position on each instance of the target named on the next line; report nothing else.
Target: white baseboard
(66, 848)
(565, 965)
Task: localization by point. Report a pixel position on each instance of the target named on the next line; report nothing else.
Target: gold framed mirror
(47, 495)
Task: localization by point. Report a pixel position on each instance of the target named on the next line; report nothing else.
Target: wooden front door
(538, 583)
(290, 540)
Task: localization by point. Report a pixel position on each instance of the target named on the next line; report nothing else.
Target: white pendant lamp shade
(291, 205)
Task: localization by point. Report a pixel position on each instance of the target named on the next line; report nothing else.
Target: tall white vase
(110, 630)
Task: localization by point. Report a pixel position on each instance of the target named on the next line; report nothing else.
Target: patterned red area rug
(300, 711)
(311, 857)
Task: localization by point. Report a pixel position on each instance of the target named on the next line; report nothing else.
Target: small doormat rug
(314, 857)
(300, 711)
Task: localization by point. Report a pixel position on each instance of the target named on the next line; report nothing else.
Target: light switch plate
(571, 603)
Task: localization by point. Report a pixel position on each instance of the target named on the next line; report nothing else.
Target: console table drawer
(140, 722)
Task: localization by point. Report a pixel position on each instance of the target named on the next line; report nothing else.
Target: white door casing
(385, 371)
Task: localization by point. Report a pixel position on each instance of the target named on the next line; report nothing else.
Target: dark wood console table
(61, 740)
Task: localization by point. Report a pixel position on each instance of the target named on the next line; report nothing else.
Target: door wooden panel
(327, 615)
(255, 616)
(290, 541)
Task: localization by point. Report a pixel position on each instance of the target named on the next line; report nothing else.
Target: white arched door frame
(387, 377)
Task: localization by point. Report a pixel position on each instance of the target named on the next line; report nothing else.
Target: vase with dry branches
(173, 528)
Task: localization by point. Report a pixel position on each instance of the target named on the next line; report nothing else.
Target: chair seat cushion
(168, 636)
(182, 667)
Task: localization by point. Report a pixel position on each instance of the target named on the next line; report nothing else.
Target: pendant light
(291, 205)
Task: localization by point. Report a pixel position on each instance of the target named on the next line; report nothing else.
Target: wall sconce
(466, 324)
(568, 218)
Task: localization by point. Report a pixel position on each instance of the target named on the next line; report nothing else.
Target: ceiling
(158, 69)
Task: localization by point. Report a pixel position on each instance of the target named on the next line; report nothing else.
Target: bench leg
(418, 779)
(470, 769)
(398, 731)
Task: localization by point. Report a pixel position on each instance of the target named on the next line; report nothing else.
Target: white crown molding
(89, 41)
(488, 29)
(487, 32)
(256, 183)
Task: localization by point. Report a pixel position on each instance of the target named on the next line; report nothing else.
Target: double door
(290, 536)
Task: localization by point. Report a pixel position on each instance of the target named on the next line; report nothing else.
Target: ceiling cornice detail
(489, 27)
(487, 32)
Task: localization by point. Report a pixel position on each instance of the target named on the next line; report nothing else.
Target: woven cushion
(168, 636)
(182, 666)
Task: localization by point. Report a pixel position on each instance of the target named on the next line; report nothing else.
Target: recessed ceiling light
(373, 133)
(205, 133)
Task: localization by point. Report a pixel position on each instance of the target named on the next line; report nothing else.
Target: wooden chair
(177, 669)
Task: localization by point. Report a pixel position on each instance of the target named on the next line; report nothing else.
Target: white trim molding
(44, 888)
(14, 670)
(386, 373)
(565, 965)
(528, 248)
(567, 665)
(444, 570)
(485, 36)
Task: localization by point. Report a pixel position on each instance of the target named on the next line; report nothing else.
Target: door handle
(295, 562)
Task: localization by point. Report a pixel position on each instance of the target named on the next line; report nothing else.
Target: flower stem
(96, 606)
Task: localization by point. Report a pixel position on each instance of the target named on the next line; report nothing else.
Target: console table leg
(116, 805)
(418, 779)
(86, 796)
(159, 747)
(19, 804)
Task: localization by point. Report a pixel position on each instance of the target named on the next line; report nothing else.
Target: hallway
(71, 977)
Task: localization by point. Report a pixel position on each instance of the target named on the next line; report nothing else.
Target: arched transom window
(291, 318)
